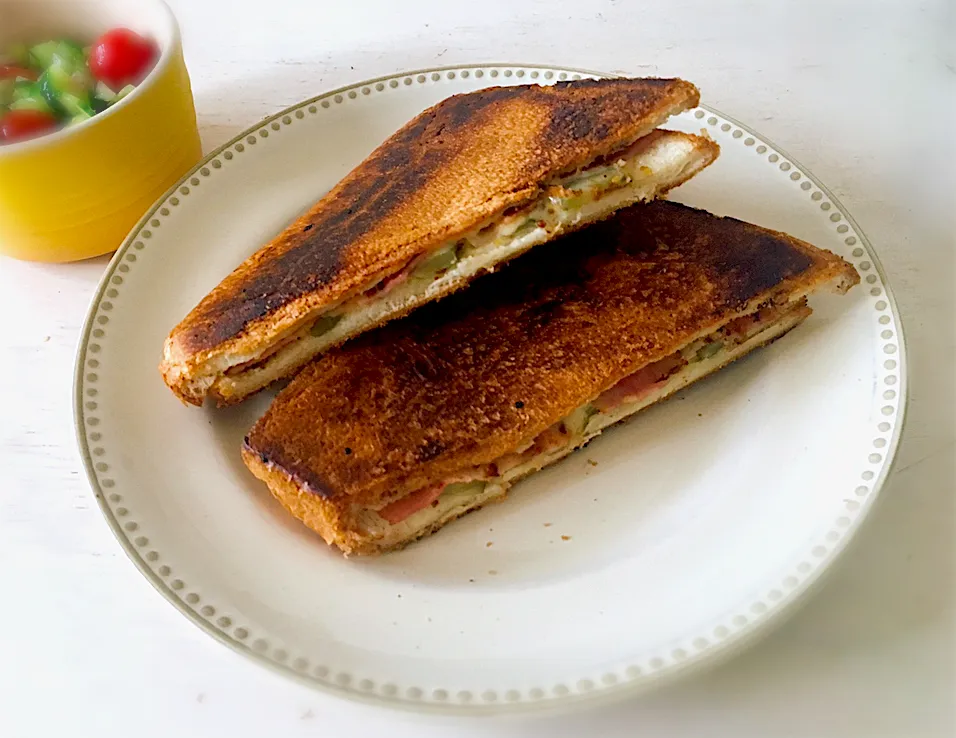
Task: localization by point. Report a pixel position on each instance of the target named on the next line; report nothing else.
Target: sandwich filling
(415, 513)
(638, 173)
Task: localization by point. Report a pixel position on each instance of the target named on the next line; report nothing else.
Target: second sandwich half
(392, 436)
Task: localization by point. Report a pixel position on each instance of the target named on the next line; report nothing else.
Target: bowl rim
(166, 54)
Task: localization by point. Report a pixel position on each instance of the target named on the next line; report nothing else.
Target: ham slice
(391, 282)
(748, 326)
(408, 505)
(640, 384)
(744, 327)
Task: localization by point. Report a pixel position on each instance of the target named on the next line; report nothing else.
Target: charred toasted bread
(468, 184)
(390, 436)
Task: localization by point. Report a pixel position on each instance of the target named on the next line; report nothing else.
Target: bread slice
(365, 534)
(469, 395)
(446, 198)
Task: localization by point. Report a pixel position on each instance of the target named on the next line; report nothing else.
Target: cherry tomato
(19, 125)
(12, 71)
(122, 57)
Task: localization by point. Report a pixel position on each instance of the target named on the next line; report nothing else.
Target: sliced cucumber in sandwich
(439, 262)
(324, 324)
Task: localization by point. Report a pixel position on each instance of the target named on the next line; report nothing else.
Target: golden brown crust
(457, 164)
(333, 523)
(464, 381)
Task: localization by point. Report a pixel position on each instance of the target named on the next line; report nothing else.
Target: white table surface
(860, 92)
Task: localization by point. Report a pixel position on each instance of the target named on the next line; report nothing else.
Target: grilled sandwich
(389, 437)
(469, 184)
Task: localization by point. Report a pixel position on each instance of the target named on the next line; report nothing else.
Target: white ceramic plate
(665, 544)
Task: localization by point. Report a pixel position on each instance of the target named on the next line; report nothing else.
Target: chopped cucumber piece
(573, 203)
(593, 418)
(29, 96)
(438, 262)
(69, 47)
(70, 78)
(104, 93)
(80, 117)
(65, 54)
(587, 177)
(705, 352)
(41, 55)
(70, 59)
(31, 103)
(577, 421)
(58, 77)
(576, 183)
(23, 88)
(525, 228)
(465, 248)
(324, 324)
(50, 93)
(464, 489)
(602, 178)
(442, 260)
(76, 105)
(107, 95)
(66, 95)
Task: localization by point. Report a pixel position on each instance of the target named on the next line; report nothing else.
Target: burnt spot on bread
(583, 84)
(596, 121)
(430, 449)
(302, 262)
(763, 264)
(573, 121)
(740, 261)
(305, 261)
(332, 241)
(275, 456)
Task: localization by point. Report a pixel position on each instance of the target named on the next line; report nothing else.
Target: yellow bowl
(77, 192)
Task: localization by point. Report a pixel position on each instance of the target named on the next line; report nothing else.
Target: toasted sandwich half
(388, 438)
(468, 184)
